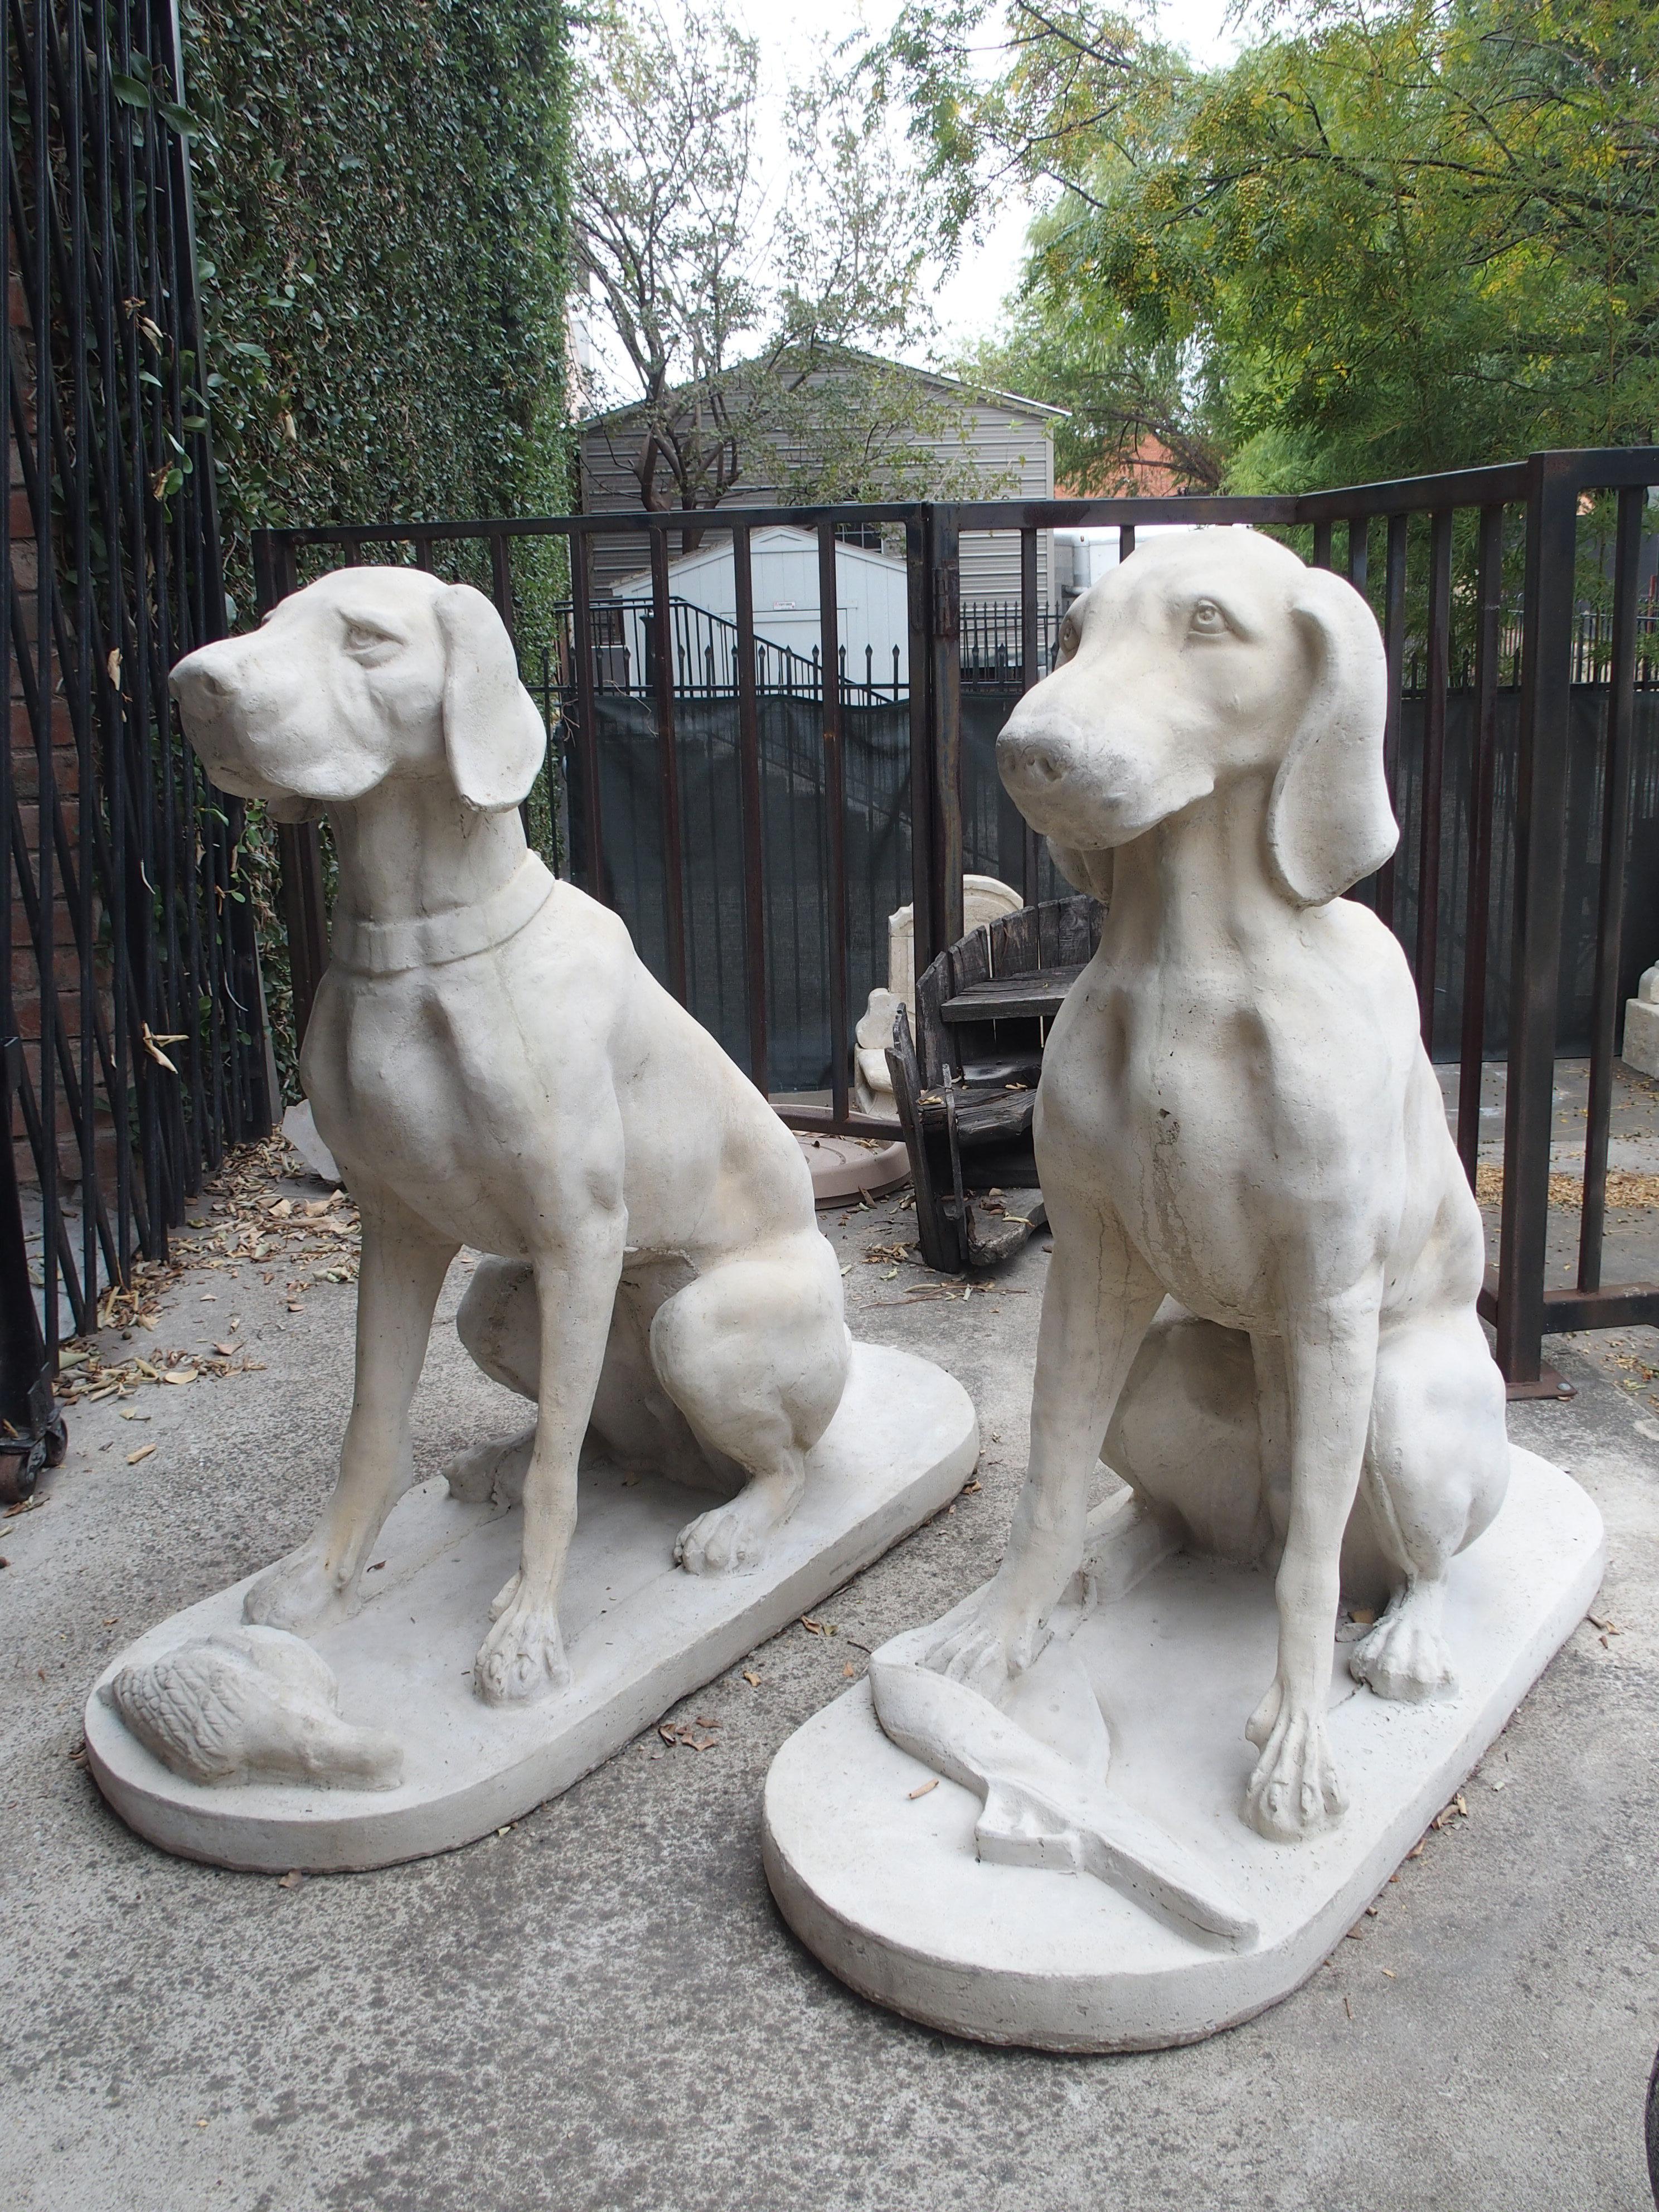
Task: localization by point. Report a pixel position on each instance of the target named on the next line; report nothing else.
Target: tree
(1126, 394)
(1080, 95)
(1387, 240)
(747, 332)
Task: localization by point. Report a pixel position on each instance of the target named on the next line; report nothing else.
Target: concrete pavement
(599, 2011)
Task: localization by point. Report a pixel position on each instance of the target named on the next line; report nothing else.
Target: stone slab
(885, 1889)
(640, 1634)
(1640, 1041)
(848, 1168)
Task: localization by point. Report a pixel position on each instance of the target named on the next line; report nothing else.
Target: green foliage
(1386, 241)
(381, 216)
(381, 222)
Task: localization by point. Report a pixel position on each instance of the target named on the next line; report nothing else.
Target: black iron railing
(994, 641)
(129, 1008)
(1507, 796)
(1593, 643)
(704, 650)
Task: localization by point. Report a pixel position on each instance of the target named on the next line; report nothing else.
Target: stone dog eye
(363, 637)
(1208, 621)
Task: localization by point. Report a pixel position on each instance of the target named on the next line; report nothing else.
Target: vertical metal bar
(924, 902)
(1394, 640)
(1359, 533)
(947, 703)
(1126, 541)
(587, 736)
(305, 904)
(1615, 842)
(834, 807)
(1434, 760)
(749, 784)
(46, 689)
(668, 771)
(500, 581)
(1321, 545)
(78, 678)
(1483, 785)
(25, 1376)
(1536, 960)
(117, 796)
(1030, 674)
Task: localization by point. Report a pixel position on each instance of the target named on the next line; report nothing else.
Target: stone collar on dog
(389, 948)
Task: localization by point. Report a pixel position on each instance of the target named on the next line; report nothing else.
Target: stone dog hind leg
(755, 1354)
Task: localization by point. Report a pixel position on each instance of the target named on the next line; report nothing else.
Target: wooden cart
(966, 1082)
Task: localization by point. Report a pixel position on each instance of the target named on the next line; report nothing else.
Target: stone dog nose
(1029, 759)
(198, 685)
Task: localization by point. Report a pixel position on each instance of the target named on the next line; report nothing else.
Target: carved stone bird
(248, 1702)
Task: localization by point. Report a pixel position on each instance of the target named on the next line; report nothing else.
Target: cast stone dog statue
(492, 1065)
(1237, 1109)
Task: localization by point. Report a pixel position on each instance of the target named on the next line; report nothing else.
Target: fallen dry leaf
(143, 1452)
(925, 1787)
(291, 1880)
(752, 1680)
(1626, 1187)
(153, 1046)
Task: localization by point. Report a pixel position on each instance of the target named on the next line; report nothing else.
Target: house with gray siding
(1008, 441)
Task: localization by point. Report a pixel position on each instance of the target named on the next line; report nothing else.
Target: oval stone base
(640, 1632)
(883, 1885)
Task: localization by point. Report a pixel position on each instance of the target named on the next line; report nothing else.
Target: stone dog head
(367, 674)
(1202, 660)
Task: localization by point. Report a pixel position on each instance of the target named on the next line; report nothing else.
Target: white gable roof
(779, 538)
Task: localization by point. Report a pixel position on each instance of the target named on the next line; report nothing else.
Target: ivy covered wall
(382, 233)
(381, 223)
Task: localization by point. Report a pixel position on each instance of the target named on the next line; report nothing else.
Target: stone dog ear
(1329, 822)
(492, 734)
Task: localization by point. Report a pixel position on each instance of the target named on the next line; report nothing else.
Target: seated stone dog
(491, 1065)
(1236, 1114)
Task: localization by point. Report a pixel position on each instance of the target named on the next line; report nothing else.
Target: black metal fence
(133, 1047)
(703, 652)
(755, 841)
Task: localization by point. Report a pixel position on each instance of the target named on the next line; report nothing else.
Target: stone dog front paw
(523, 1656)
(301, 1593)
(1294, 1792)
